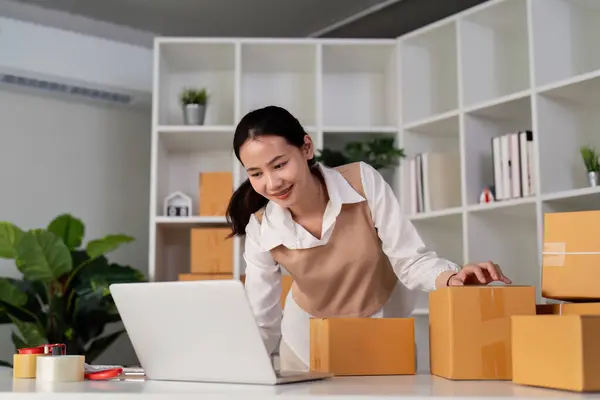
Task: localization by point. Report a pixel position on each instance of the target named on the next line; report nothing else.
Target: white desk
(366, 388)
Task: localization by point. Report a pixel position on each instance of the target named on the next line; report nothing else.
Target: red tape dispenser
(102, 373)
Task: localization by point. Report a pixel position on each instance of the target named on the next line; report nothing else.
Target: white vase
(593, 178)
(193, 114)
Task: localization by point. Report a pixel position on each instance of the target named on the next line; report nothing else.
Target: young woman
(339, 232)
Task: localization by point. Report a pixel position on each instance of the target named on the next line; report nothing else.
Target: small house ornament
(178, 204)
(487, 196)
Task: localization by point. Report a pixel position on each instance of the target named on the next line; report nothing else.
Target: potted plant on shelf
(379, 152)
(193, 103)
(63, 296)
(591, 160)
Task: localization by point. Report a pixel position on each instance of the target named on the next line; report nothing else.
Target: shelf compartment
(173, 249)
(438, 145)
(359, 84)
(337, 141)
(442, 234)
(510, 240)
(565, 35)
(494, 51)
(181, 157)
(197, 65)
(568, 118)
(481, 126)
(429, 84)
(280, 74)
(197, 138)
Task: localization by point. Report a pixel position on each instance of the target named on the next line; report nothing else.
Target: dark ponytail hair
(271, 120)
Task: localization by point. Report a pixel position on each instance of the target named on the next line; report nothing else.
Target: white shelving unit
(499, 67)
(340, 90)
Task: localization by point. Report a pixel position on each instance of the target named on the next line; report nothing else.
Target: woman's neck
(315, 202)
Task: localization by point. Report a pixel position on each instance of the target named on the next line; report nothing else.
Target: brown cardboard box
(215, 190)
(568, 309)
(557, 351)
(363, 346)
(469, 330)
(211, 251)
(571, 256)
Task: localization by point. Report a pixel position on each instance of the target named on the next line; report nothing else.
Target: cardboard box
(211, 252)
(215, 190)
(571, 256)
(557, 351)
(469, 330)
(569, 309)
(363, 346)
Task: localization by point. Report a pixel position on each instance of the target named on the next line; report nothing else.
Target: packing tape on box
(67, 368)
(555, 254)
(24, 365)
(495, 359)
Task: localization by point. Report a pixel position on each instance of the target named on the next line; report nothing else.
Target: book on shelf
(512, 155)
(434, 181)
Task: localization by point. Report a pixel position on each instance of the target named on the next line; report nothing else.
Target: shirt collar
(277, 221)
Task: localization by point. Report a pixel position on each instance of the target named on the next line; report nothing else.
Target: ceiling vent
(65, 89)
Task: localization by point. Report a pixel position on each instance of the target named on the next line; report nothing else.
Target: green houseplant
(591, 160)
(379, 152)
(193, 102)
(63, 296)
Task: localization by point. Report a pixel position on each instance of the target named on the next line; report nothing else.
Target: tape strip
(67, 368)
(495, 362)
(555, 253)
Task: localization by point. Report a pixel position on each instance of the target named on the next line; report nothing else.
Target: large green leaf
(10, 235)
(11, 294)
(43, 256)
(98, 247)
(70, 229)
(32, 334)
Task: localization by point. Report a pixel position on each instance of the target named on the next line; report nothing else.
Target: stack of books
(512, 155)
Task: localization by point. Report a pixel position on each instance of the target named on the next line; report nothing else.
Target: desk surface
(418, 386)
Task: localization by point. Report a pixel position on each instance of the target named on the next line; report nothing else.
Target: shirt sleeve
(416, 266)
(263, 287)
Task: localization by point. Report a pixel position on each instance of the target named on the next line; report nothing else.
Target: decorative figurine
(178, 204)
(487, 196)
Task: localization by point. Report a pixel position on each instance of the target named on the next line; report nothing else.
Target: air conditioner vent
(56, 87)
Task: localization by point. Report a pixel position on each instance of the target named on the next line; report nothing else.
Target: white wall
(87, 160)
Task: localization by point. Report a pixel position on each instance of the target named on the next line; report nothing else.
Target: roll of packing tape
(68, 368)
(24, 365)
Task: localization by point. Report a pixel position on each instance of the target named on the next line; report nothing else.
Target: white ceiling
(263, 18)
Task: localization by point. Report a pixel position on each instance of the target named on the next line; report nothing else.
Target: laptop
(201, 331)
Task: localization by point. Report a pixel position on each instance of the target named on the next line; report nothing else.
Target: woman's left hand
(479, 274)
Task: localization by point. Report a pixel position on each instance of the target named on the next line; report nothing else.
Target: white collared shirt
(416, 266)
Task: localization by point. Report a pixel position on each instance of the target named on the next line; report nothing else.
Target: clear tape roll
(24, 365)
(67, 368)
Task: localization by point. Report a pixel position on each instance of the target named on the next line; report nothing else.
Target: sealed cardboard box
(363, 346)
(557, 351)
(569, 309)
(211, 251)
(469, 330)
(571, 256)
(215, 190)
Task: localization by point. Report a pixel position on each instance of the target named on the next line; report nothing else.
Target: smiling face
(277, 170)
